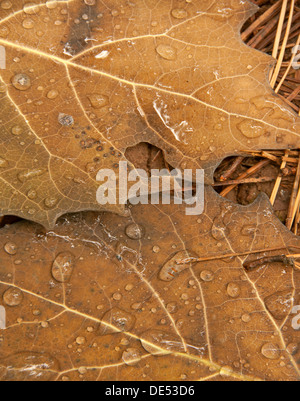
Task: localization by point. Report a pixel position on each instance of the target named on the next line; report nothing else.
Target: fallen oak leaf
(111, 315)
(107, 78)
(40, 186)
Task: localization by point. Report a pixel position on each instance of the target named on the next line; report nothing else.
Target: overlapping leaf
(86, 79)
(110, 298)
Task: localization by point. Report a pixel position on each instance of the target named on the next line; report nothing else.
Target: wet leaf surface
(87, 79)
(113, 298)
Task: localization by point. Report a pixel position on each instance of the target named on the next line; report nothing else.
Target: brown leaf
(113, 298)
(86, 80)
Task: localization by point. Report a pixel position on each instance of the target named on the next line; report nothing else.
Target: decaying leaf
(86, 79)
(101, 297)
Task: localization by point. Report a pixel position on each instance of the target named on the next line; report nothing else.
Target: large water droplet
(13, 297)
(173, 267)
(30, 363)
(28, 23)
(219, 230)
(160, 343)
(207, 276)
(6, 4)
(134, 231)
(10, 248)
(80, 340)
(131, 356)
(167, 52)
(32, 194)
(179, 13)
(172, 307)
(98, 101)
(233, 290)
(156, 249)
(51, 4)
(246, 318)
(17, 130)
(279, 304)
(117, 296)
(118, 319)
(63, 266)
(263, 102)
(52, 94)
(29, 174)
(271, 351)
(65, 120)
(251, 129)
(31, 8)
(226, 371)
(51, 202)
(21, 82)
(292, 348)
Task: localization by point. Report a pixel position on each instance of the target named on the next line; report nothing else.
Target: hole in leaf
(7, 220)
(242, 179)
(147, 157)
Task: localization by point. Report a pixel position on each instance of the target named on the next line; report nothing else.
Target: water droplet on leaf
(172, 307)
(80, 340)
(156, 249)
(251, 129)
(131, 356)
(52, 94)
(51, 4)
(246, 318)
(51, 202)
(28, 23)
(167, 52)
(207, 276)
(173, 267)
(160, 343)
(118, 319)
(292, 348)
(271, 351)
(65, 120)
(98, 101)
(6, 5)
(17, 130)
(13, 297)
(219, 230)
(31, 194)
(29, 174)
(63, 266)
(21, 82)
(233, 290)
(179, 13)
(31, 8)
(279, 304)
(10, 248)
(134, 231)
